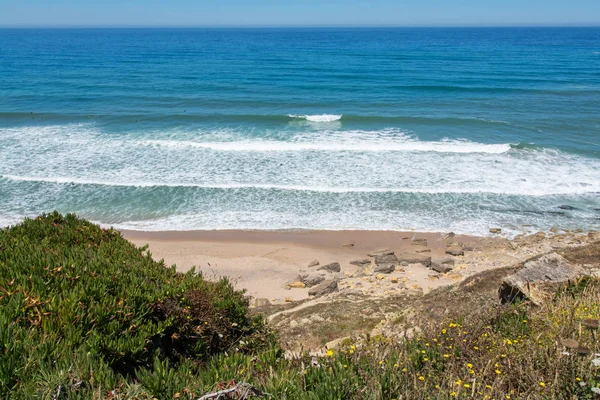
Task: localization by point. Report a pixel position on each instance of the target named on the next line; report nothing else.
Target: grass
(85, 314)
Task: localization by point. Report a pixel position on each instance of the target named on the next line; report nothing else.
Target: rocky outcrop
(413, 258)
(441, 268)
(455, 251)
(333, 267)
(539, 279)
(386, 259)
(495, 230)
(361, 263)
(325, 287)
(419, 242)
(383, 252)
(313, 279)
(387, 268)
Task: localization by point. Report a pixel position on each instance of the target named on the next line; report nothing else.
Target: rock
(261, 302)
(441, 268)
(445, 261)
(361, 263)
(413, 258)
(383, 252)
(288, 300)
(455, 251)
(394, 280)
(325, 287)
(404, 264)
(495, 230)
(297, 285)
(419, 242)
(313, 263)
(348, 245)
(380, 277)
(539, 279)
(293, 324)
(411, 332)
(313, 279)
(433, 275)
(333, 267)
(423, 251)
(384, 268)
(386, 259)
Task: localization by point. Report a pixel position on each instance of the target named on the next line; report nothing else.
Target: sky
(227, 13)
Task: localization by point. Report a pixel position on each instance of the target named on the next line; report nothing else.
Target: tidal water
(427, 129)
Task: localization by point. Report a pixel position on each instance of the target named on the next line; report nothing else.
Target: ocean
(381, 129)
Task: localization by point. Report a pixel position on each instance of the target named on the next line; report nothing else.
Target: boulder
(325, 287)
(361, 263)
(386, 259)
(384, 268)
(495, 230)
(539, 279)
(383, 252)
(261, 302)
(441, 268)
(423, 251)
(313, 279)
(455, 251)
(313, 263)
(419, 242)
(297, 285)
(333, 267)
(413, 258)
(445, 260)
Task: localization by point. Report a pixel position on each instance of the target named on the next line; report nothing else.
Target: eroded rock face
(333, 267)
(539, 279)
(325, 287)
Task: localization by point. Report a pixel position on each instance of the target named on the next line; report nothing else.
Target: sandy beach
(262, 262)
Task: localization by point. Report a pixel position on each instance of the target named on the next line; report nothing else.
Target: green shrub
(83, 311)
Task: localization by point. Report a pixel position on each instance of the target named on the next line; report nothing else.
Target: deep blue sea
(426, 129)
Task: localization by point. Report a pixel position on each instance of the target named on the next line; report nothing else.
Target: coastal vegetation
(86, 314)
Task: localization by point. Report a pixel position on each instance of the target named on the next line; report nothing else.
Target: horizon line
(119, 26)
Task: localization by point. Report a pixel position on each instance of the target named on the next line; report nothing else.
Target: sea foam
(318, 118)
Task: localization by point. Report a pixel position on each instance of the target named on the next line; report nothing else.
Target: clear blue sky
(298, 13)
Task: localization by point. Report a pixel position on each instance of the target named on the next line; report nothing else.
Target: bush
(83, 311)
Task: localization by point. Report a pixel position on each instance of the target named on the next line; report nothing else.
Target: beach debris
(386, 268)
(325, 287)
(313, 263)
(455, 251)
(333, 267)
(441, 268)
(414, 258)
(313, 279)
(382, 252)
(348, 245)
(495, 230)
(539, 279)
(361, 262)
(419, 242)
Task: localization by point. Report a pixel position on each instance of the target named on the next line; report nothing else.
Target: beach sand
(263, 261)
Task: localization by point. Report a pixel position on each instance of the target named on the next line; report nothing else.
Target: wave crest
(318, 118)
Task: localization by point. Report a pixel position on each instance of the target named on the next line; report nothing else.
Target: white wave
(112, 181)
(334, 146)
(318, 118)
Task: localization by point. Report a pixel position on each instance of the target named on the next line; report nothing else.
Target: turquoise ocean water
(428, 129)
